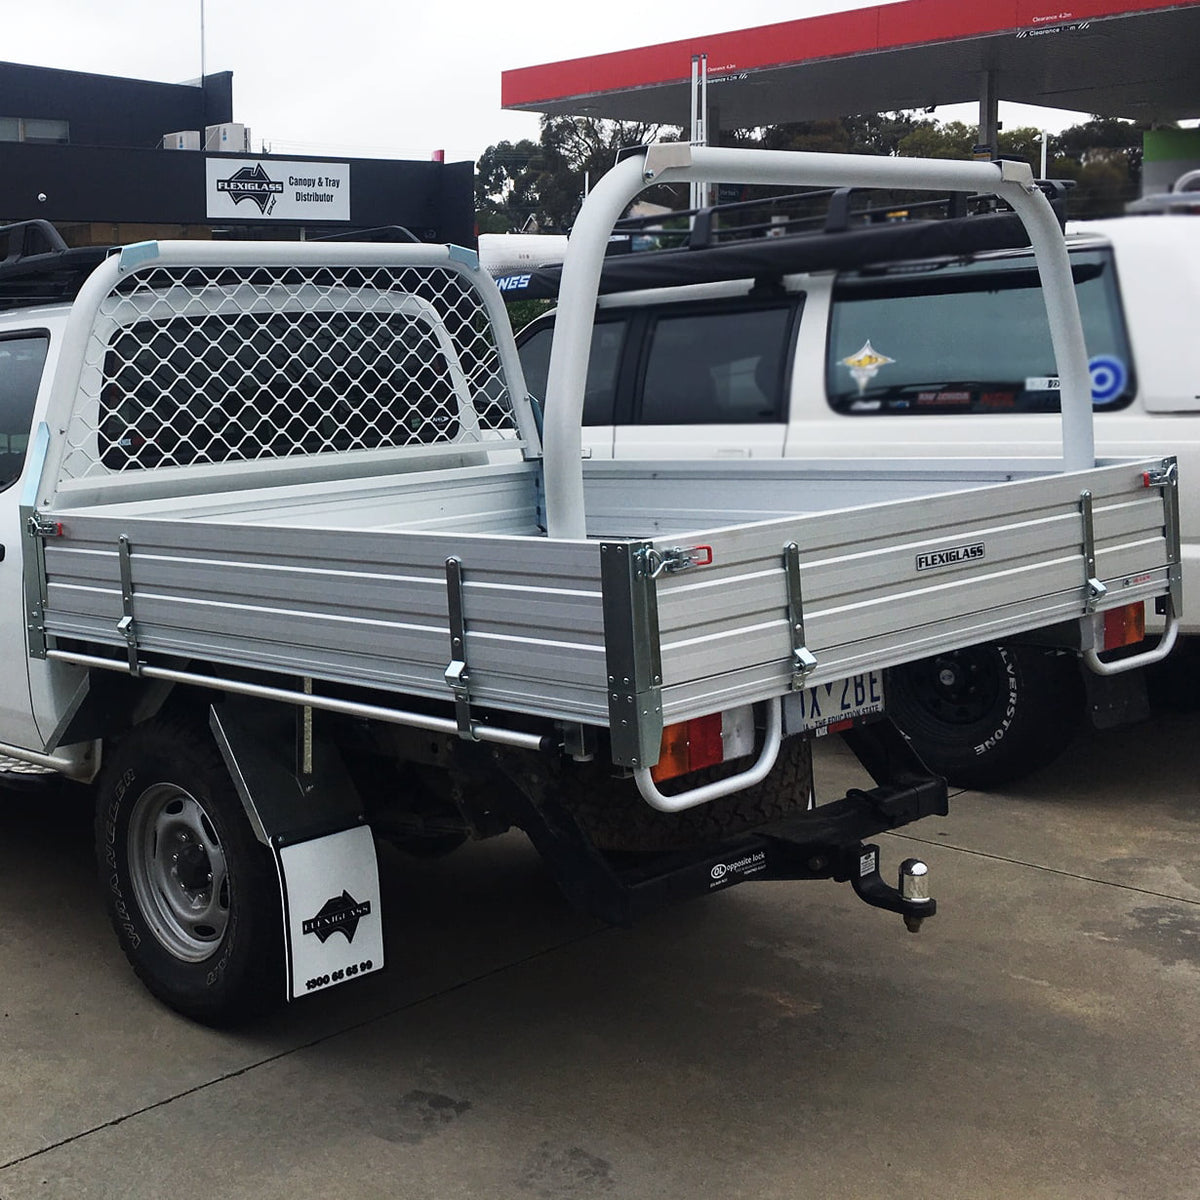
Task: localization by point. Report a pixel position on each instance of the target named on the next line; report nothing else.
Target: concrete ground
(1037, 1039)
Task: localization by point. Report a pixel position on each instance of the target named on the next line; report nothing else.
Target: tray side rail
(357, 608)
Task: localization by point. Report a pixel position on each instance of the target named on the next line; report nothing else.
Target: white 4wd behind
(919, 340)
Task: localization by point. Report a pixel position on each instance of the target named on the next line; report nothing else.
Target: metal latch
(1165, 476)
(803, 660)
(677, 558)
(43, 526)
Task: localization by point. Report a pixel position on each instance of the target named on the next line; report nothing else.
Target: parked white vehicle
(289, 565)
(912, 341)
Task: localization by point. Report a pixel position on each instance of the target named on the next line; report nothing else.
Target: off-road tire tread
(1048, 709)
(178, 748)
(616, 818)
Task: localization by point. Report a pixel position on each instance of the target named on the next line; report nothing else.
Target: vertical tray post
(633, 655)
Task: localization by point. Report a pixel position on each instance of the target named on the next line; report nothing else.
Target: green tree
(542, 184)
(1104, 158)
(506, 176)
(933, 139)
(867, 133)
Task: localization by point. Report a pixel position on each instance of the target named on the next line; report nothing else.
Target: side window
(604, 366)
(717, 367)
(21, 361)
(968, 339)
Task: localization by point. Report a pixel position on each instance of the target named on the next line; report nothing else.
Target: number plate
(827, 706)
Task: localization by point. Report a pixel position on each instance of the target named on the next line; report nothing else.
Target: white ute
(288, 569)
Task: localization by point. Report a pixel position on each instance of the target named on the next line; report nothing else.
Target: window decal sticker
(1108, 378)
(865, 364)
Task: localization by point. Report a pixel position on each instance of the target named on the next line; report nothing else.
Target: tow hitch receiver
(911, 899)
(825, 842)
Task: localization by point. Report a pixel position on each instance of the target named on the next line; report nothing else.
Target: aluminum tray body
(346, 581)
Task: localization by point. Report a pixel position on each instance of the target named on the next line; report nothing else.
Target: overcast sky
(374, 77)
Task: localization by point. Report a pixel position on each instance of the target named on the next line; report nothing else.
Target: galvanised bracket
(633, 655)
(457, 675)
(1096, 590)
(803, 660)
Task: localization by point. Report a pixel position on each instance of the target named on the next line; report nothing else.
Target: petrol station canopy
(1116, 58)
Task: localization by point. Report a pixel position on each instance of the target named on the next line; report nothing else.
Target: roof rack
(708, 247)
(38, 267)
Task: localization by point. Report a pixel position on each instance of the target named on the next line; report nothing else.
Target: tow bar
(825, 842)
(911, 899)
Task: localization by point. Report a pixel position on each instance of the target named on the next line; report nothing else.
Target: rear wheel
(988, 715)
(192, 895)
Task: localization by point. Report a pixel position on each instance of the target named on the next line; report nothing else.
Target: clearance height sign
(274, 190)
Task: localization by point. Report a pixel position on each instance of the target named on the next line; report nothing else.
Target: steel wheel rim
(960, 687)
(178, 872)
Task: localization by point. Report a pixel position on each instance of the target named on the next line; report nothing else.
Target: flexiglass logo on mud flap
(749, 865)
(340, 914)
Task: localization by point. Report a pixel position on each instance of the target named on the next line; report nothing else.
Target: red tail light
(1124, 626)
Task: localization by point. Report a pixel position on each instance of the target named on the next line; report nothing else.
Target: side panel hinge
(34, 553)
(803, 660)
(127, 626)
(1096, 590)
(458, 677)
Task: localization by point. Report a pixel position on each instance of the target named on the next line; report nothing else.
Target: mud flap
(304, 808)
(331, 910)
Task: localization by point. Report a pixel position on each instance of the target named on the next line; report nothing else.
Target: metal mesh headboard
(194, 365)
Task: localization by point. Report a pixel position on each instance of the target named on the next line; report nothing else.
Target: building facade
(110, 160)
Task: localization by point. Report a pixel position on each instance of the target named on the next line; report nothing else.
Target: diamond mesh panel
(189, 365)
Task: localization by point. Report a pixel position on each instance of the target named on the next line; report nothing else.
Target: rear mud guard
(303, 806)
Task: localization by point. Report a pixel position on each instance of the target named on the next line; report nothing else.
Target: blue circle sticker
(1108, 378)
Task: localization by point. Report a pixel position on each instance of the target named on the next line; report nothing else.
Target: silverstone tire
(192, 895)
(988, 715)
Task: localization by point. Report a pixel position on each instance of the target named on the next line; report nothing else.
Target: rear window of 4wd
(680, 365)
(715, 368)
(952, 338)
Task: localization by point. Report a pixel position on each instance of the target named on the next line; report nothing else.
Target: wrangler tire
(192, 894)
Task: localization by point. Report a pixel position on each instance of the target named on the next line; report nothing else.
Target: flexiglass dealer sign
(274, 190)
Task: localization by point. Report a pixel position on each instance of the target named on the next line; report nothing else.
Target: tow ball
(910, 899)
